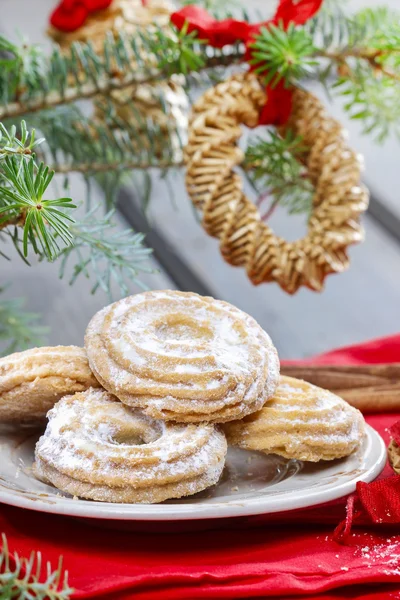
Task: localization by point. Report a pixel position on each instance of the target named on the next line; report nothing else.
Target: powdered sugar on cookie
(180, 356)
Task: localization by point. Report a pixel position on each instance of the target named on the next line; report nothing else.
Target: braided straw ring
(211, 155)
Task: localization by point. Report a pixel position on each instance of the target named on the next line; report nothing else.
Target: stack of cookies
(168, 380)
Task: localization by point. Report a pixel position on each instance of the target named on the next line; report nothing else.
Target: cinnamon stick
(371, 388)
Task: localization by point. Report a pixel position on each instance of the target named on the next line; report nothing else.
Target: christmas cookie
(183, 357)
(300, 421)
(97, 448)
(31, 382)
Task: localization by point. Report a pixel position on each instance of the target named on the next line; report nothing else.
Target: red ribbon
(72, 14)
(229, 31)
(376, 503)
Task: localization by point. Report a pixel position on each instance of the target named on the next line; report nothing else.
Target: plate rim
(304, 498)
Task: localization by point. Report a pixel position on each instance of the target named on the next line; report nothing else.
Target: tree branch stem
(18, 220)
(270, 211)
(98, 167)
(363, 53)
(102, 86)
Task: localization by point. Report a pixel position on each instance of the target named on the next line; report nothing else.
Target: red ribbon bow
(230, 31)
(72, 14)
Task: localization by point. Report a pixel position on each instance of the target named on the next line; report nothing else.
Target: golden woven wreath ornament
(228, 214)
(216, 189)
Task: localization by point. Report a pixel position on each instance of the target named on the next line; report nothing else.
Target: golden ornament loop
(217, 190)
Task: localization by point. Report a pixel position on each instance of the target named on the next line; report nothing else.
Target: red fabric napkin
(252, 557)
(380, 350)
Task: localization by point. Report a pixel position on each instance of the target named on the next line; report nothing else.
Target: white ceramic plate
(252, 484)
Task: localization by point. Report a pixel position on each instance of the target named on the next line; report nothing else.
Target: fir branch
(11, 144)
(357, 33)
(332, 27)
(22, 203)
(93, 168)
(275, 167)
(361, 52)
(23, 184)
(283, 54)
(19, 329)
(142, 57)
(75, 143)
(22, 579)
(369, 71)
(371, 100)
(107, 254)
(114, 256)
(20, 66)
(176, 53)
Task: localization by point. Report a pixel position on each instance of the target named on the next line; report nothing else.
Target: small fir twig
(112, 256)
(23, 578)
(19, 329)
(92, 168)
(23, 184)
(105, 254)
(22, 202)
(279, 54)
(275, 167)
(13, 145)
(75, 143)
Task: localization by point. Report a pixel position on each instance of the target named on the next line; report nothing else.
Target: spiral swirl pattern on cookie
(31, 382)
(300, 421)
(180, 356)
(97, 448)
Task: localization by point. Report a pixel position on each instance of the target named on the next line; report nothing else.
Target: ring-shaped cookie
(216, 189)
(31, 382)
(182, 357)
(97, 448)
(300, 421)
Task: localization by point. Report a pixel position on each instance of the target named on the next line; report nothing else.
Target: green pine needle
(22, 578)
(19, 329)
(275, 167)
(21, 198)
(331, 28)
(372, 101)
(144, 56)
(280, 54)
(90, 146)
(13, 144)
(369, 78)
(105, 254)
(177, 53)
